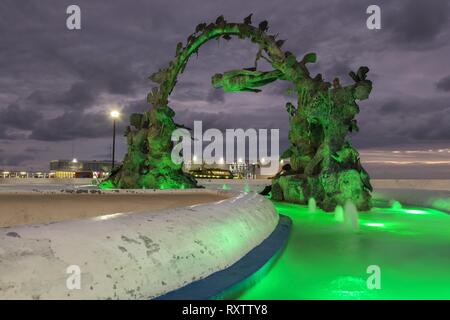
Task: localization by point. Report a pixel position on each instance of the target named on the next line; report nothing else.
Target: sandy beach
(32, 208)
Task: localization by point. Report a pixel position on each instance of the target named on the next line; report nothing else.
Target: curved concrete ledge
(132, 256)
(232, 281)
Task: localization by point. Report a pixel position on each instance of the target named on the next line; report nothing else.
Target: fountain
(395, 205)
(323, 163)
(339, 214)
(351, 218)
(312, 206)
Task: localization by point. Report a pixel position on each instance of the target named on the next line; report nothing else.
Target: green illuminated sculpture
(323, 164)
(244, 80)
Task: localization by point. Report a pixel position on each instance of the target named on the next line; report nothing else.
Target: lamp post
(114, 115)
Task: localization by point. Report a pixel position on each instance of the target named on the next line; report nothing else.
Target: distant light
(115, 114)
(240, 160)
(263, 160)
(281, 161)
(74, 160)
(194, 158)
(221, 160)
(414, 211)
(23, 173)
(374, 224)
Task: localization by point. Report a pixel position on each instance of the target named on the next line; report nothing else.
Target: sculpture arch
(324, 165)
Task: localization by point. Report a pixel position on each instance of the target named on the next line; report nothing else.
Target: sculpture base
(328, 189)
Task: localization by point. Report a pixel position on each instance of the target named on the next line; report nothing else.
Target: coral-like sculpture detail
(323, 164)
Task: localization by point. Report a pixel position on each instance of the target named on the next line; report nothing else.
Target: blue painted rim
(230, 282)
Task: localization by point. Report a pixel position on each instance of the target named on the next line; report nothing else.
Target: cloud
(215, 95)
(18, 117)
(57, 85)
(417, 24)
(405, 121)
(79, 96)
(7, 135)
(391, 107)
(72, 125)
(36, 150)
(443, 84)
(434, 127)
(15, 159)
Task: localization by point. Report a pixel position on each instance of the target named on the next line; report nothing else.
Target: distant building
(9, 174)
(211, 173)
(237, 170)
(80, 168)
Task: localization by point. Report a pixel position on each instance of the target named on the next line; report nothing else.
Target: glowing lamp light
(114, 114)
(74, 160)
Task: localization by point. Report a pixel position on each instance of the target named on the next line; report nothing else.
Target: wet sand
(33, 208)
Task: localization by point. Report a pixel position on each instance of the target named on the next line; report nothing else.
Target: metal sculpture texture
(323, 164)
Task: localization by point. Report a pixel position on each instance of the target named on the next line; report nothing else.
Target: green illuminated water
(325, 261)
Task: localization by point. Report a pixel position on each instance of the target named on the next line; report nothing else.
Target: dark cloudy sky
(57, 86)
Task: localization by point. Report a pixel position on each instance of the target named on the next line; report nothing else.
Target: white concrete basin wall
(132, 256)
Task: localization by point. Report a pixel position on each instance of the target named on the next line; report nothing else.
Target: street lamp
(114, 115)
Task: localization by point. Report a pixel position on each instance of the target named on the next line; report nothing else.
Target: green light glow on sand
(324, 261)
(105, 185)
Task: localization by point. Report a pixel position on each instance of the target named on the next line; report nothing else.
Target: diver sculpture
(244, 80)
(323, 164)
